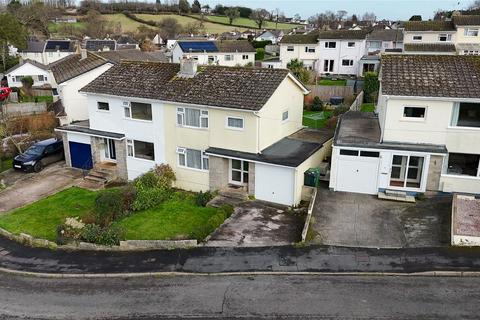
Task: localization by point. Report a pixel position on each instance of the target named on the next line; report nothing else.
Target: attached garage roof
(84, 128)
(291, 151)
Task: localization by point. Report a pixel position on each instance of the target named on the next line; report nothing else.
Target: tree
(259, 16)
(341, 14)
(354, 18)
(298, 70)
(169, 28)
(96, 25)
(35, 16)
(196, 7)
(193, 27)
(369, 16)
(206, 8)
(371, 86)
(147, 45)
(415, 18)
(183, 6)
(12, 32)
(232, 14)
(297, 17)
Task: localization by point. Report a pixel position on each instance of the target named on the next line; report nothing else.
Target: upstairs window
(138, 111)
(374, 44)
(351, 44)
(104, 106)
(471, 32)
(417, 38)
(229, 57)
(211, 59)
(330, 45)
(190, 117)
(443, 37)
(414, 112)
(309, 49)
(245, 57)
(290, 48)
(235, 123)
(285, 116)
(466, 115)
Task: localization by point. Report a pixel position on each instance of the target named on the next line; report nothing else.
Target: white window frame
(327, 45)
(235, 128)
(229, 57)
(204, 159)
(350, 44)
(181, 118)
(471, 32)
(131, 149)
(285, 119)
(417, 36)
(447, 36)
(423, 176)
(350, 63)
(241, 170)
(127, 111)
(245, 56)
(309, 49)
(103, 110)
(419, 119)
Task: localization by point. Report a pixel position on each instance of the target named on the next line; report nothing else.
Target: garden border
(309, 215)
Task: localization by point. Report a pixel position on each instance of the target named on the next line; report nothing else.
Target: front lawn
(5, 164)
(330, 82)
(316, 119)
(41, 218)
(367, 107)
(178, 217)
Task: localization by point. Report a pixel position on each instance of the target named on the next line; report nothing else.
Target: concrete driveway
(257, 224)
(25, 188)
(358, 220)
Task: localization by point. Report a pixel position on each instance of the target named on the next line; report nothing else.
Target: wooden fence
(357, 104)
(326, 92)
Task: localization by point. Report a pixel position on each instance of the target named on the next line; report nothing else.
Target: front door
(238, 172)
(406, 171)
(109, 148)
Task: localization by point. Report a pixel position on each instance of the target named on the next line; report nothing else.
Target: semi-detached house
(425, 135)
(215, 126)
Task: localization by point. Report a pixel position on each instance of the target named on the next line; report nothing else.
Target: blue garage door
(81, 155)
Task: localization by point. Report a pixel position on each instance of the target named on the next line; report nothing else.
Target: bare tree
(341, 14)
(259, 16)
(369, 16)
(232, 14)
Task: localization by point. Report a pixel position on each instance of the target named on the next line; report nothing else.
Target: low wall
(129, 245)
(309, 215)
(25, 108)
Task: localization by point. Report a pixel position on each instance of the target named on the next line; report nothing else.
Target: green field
(208, 26)
(54, 27)
(245, 22)
(128, 25)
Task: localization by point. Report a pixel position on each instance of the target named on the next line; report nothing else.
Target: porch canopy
(83, 127)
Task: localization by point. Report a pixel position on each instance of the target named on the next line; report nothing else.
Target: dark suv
(39, 155)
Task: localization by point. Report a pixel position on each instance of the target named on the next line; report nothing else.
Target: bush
(261, 44)
(202, 198)
(165, 174)
(93, 233)
(371, 86)
(340, 110)
(108, 206)
(260, 55)
(317, 104)
(203, 231)
(129, 194)
(153, 188)
(150, 198)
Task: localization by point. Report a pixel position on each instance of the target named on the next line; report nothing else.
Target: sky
(388, 9)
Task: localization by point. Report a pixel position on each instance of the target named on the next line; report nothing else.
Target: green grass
(316, 119)
(367, 107)
(245, 22)
(330, 82)
(41, 218)
(54, 27)
(176, 217)
(48, 99)
(208, 26)
(6, 164)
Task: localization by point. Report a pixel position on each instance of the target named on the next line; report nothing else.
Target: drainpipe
(255, 113)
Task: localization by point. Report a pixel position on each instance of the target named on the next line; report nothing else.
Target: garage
(357, 171)
(275, 184)
(81, 155)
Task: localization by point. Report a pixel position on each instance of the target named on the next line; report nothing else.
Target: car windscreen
(35, 150)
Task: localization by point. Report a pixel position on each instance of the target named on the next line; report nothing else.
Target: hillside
(245, 22)
(183, 20)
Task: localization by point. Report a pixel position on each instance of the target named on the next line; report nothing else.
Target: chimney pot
(83, 54)
(188, 67)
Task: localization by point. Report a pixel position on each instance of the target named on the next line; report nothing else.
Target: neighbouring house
(76, 71)
(271, 35)
(216, 126)
(380, 40)
(224, 53)
(39, 72)
(303, 47)
(467, 39)
(424, 135)
(340, 51)
(126, 42)
(100, 44)
(47, 52)
(272, 63)
(33, 51)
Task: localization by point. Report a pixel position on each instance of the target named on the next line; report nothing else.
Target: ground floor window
(239, 171)
(191, 158)
(463, 164)
(140, 149)
(406, 171)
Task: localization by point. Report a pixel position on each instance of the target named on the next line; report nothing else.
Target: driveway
(25, 188)
(257, 224)
(358, 220)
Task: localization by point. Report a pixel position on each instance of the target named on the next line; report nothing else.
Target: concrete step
(98, 174)
(401, 198)
(396, 193)
(95, 179)
(234, 194)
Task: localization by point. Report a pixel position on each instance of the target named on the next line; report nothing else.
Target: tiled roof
(431, 76)
(132, 54)
(234, 46)
(429, 26)
(73, 66)
(343, 34)
(429, 47)
(309, 38)
(473, 20)
(237, 88)
(34, 46)
(386, 35)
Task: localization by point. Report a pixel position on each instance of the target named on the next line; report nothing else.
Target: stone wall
(121, 153)
(251, 178)
(96, 144)
(66, 149)
(218, 173)
(434, 172)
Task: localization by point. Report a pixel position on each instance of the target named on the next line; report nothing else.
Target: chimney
(83, 53)
(188, 67)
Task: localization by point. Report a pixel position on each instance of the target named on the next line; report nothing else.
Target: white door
(358, 174)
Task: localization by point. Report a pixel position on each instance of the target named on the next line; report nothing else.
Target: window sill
(103, 111)
(194, 128)
(192, 169)
(459, 176)
(138, 120)
(463, 128)
(235, 129)
(412, 119)
(141, 159)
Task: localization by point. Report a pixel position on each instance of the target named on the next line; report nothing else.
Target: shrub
(129, 194)
(71, 230)
(371, 86)
(153, 187)
(108, 206)
(150, 198)
(93, 233)
(202, 198)
(261, 44)
(165, 174)
(260, 55)
(340, 110)
(332, 122)
(316, 104)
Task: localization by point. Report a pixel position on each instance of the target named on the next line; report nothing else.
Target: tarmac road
(258, 297)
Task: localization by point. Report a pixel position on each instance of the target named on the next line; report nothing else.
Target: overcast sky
(389, 9)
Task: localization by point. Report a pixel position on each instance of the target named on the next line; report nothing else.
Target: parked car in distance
(39, 155)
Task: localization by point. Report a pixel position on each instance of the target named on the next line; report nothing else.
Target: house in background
(378, 41)
(126, 42)
(425, 136)
(100, 45)
(39, 72)
(271, 35)
(467, 39)
(212, 133)
(58, 49)
(303, 47)
(223, 53)
(33, 51)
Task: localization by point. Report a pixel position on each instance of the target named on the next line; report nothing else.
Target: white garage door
(357, 174)
(274, 184)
